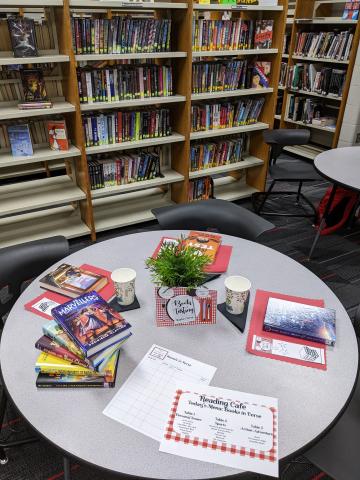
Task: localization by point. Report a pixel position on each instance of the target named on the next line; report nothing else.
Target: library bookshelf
(316, 16)
(60, 199)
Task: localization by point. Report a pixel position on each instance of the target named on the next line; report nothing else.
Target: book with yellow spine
(47, 363)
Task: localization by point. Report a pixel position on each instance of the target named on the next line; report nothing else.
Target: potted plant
(178, 274)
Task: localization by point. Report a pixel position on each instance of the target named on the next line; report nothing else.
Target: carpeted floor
(336, 261)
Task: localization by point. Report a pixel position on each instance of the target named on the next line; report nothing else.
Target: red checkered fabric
(170, 434)
(163, 319)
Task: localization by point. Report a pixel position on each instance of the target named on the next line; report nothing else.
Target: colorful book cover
(302, 321)
(106, 380)
(54, 331)
(207, 242)
(72, 281)
(49, 345)
(33, 85)
(47, 363)
(20, 140)
(260, 75)
(91, 323)
(263, 33)
(22, 34)
(58, 137)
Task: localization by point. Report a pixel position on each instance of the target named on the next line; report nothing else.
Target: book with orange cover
(208, 242)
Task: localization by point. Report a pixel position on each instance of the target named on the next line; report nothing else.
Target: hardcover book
(263, 33)
(33, 85)
(22, 34)
(107, 380)
(72, 281)
(54, 331)
(299, 320)
(47, 363)
(207, 242)
(20, 140)
(48, 345)
(91, 323)
(58, 137)
(261, 74)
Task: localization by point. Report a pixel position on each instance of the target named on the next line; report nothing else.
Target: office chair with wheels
(215, 215)
(18, 265)
(294, 171)
(337, 453)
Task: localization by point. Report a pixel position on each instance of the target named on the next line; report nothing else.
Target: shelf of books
(315, 76)
(112, 108)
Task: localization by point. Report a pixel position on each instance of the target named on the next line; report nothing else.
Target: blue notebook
(20, 140)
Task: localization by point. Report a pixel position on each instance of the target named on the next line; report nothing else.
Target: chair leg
(67, 472)
(266, 195)
(3, 401)
(299, 193)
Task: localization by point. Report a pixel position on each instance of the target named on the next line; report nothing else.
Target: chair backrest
(284, 137)
(213, 215)
(23, 262)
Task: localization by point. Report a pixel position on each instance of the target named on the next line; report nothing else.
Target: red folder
(106, 292)
(222, 259)
(257, 322)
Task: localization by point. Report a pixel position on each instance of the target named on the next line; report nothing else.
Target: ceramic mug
(237, 291)
(124, 283)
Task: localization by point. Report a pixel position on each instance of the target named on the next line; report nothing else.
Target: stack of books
(124, 168)
(333, 45)
(80, 347)
(227, 75)
(239, 34)
(226, 114)
(220, 152)
(126, 126)
(200, 189)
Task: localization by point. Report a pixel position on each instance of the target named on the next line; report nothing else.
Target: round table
(72, 419)
(341, 166)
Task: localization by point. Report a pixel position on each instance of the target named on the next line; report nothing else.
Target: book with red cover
(220, 264)
(43, 304)
(256, 330)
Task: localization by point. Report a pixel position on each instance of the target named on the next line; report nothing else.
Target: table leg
(3, 402)
(67, 473)
(323, 220)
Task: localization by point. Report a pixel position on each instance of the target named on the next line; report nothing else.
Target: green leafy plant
(177, 265)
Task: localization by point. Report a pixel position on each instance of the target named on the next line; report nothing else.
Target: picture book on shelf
(22, 34)
(261, 74)
(58, 136)
(33, 85)
(299, 320)
(263, 33)
(91, 323)
(20, 140)
(72, 281)
(351, 10)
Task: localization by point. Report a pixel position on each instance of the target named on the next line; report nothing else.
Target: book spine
(311, 338)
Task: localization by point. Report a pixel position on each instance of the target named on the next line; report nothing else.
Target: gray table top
(309, 399)
(341, 166)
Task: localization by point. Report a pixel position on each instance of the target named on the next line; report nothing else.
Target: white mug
(124, 283)
(237, 291)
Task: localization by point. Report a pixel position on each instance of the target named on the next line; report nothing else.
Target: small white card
(235, 429)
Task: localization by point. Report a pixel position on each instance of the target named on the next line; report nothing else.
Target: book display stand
(314, 16)
(63, 201)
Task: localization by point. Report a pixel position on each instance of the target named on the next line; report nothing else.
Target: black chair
(19, 265)
(293, 171)
(337, 454)
(213, 215)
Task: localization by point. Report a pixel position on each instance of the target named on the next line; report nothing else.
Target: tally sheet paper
(235, 429)
(143, 401)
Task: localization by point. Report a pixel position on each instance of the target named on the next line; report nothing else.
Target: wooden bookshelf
(319, 15)
(62, 202)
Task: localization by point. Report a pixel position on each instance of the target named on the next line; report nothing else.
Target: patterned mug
(237, 291)
(124, 283)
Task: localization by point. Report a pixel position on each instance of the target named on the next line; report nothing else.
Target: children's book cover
(207, 242)
(20, 140)
(33, 85)
(260, 75)
(91, 322)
